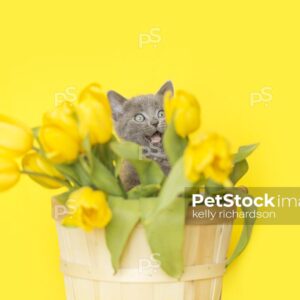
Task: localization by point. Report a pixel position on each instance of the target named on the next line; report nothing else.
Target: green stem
(122, 188)
(88, 150)
(85, 165)
(35, 132)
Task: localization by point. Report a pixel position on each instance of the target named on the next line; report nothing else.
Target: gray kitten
(141, 120)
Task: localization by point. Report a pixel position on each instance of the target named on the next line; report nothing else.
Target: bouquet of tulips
(75, 148)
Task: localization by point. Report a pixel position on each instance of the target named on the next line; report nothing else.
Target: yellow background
(222, 51)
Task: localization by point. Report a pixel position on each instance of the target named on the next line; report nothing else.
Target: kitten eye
(161, 114)
(139, 118)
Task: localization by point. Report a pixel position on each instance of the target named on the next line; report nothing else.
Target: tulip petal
(58, 145)
(15, 138)
(88, 209)
(9, 173)
(33, 162)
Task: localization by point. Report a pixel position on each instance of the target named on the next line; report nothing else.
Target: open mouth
(156, 138)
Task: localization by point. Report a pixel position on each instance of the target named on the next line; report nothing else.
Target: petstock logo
(231, 200)
(267, 206)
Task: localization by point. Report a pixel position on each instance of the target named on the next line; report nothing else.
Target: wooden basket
(85, 262)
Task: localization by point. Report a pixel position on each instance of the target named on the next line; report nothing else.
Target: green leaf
(174, 185)
(125, 216)
(174, 145)
(139, 191)
(106, 156)
(127, 150)
(98, 176)
(149, 171)
(35, 132)
(246, 232)
(104, 180)
(244, 152)
(118, 166)
(80, 167)
(239, 170)
(69, 171)
(212, 187)
(165, 234)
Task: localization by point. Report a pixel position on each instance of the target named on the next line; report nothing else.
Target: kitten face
(140, 119)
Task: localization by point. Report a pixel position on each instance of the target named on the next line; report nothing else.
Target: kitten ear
(167, 87)
(116, 102)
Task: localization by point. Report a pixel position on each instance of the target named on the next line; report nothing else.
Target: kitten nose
(154, 122)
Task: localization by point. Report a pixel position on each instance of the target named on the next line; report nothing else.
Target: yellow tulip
(9, 173)
(64, 118)
(59, 134)
(15, 138)
(94, 115)
(88, 209)
(33, 162)
(185, 110)
(94, 91)
(208, 155)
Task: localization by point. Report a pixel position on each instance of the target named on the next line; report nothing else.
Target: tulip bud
(9, 173)
(94, 91)
(94, 115)
(184, 109)
(35, 163)
(208, 155)
(59, 135)
(88, 209)
(15, 138)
